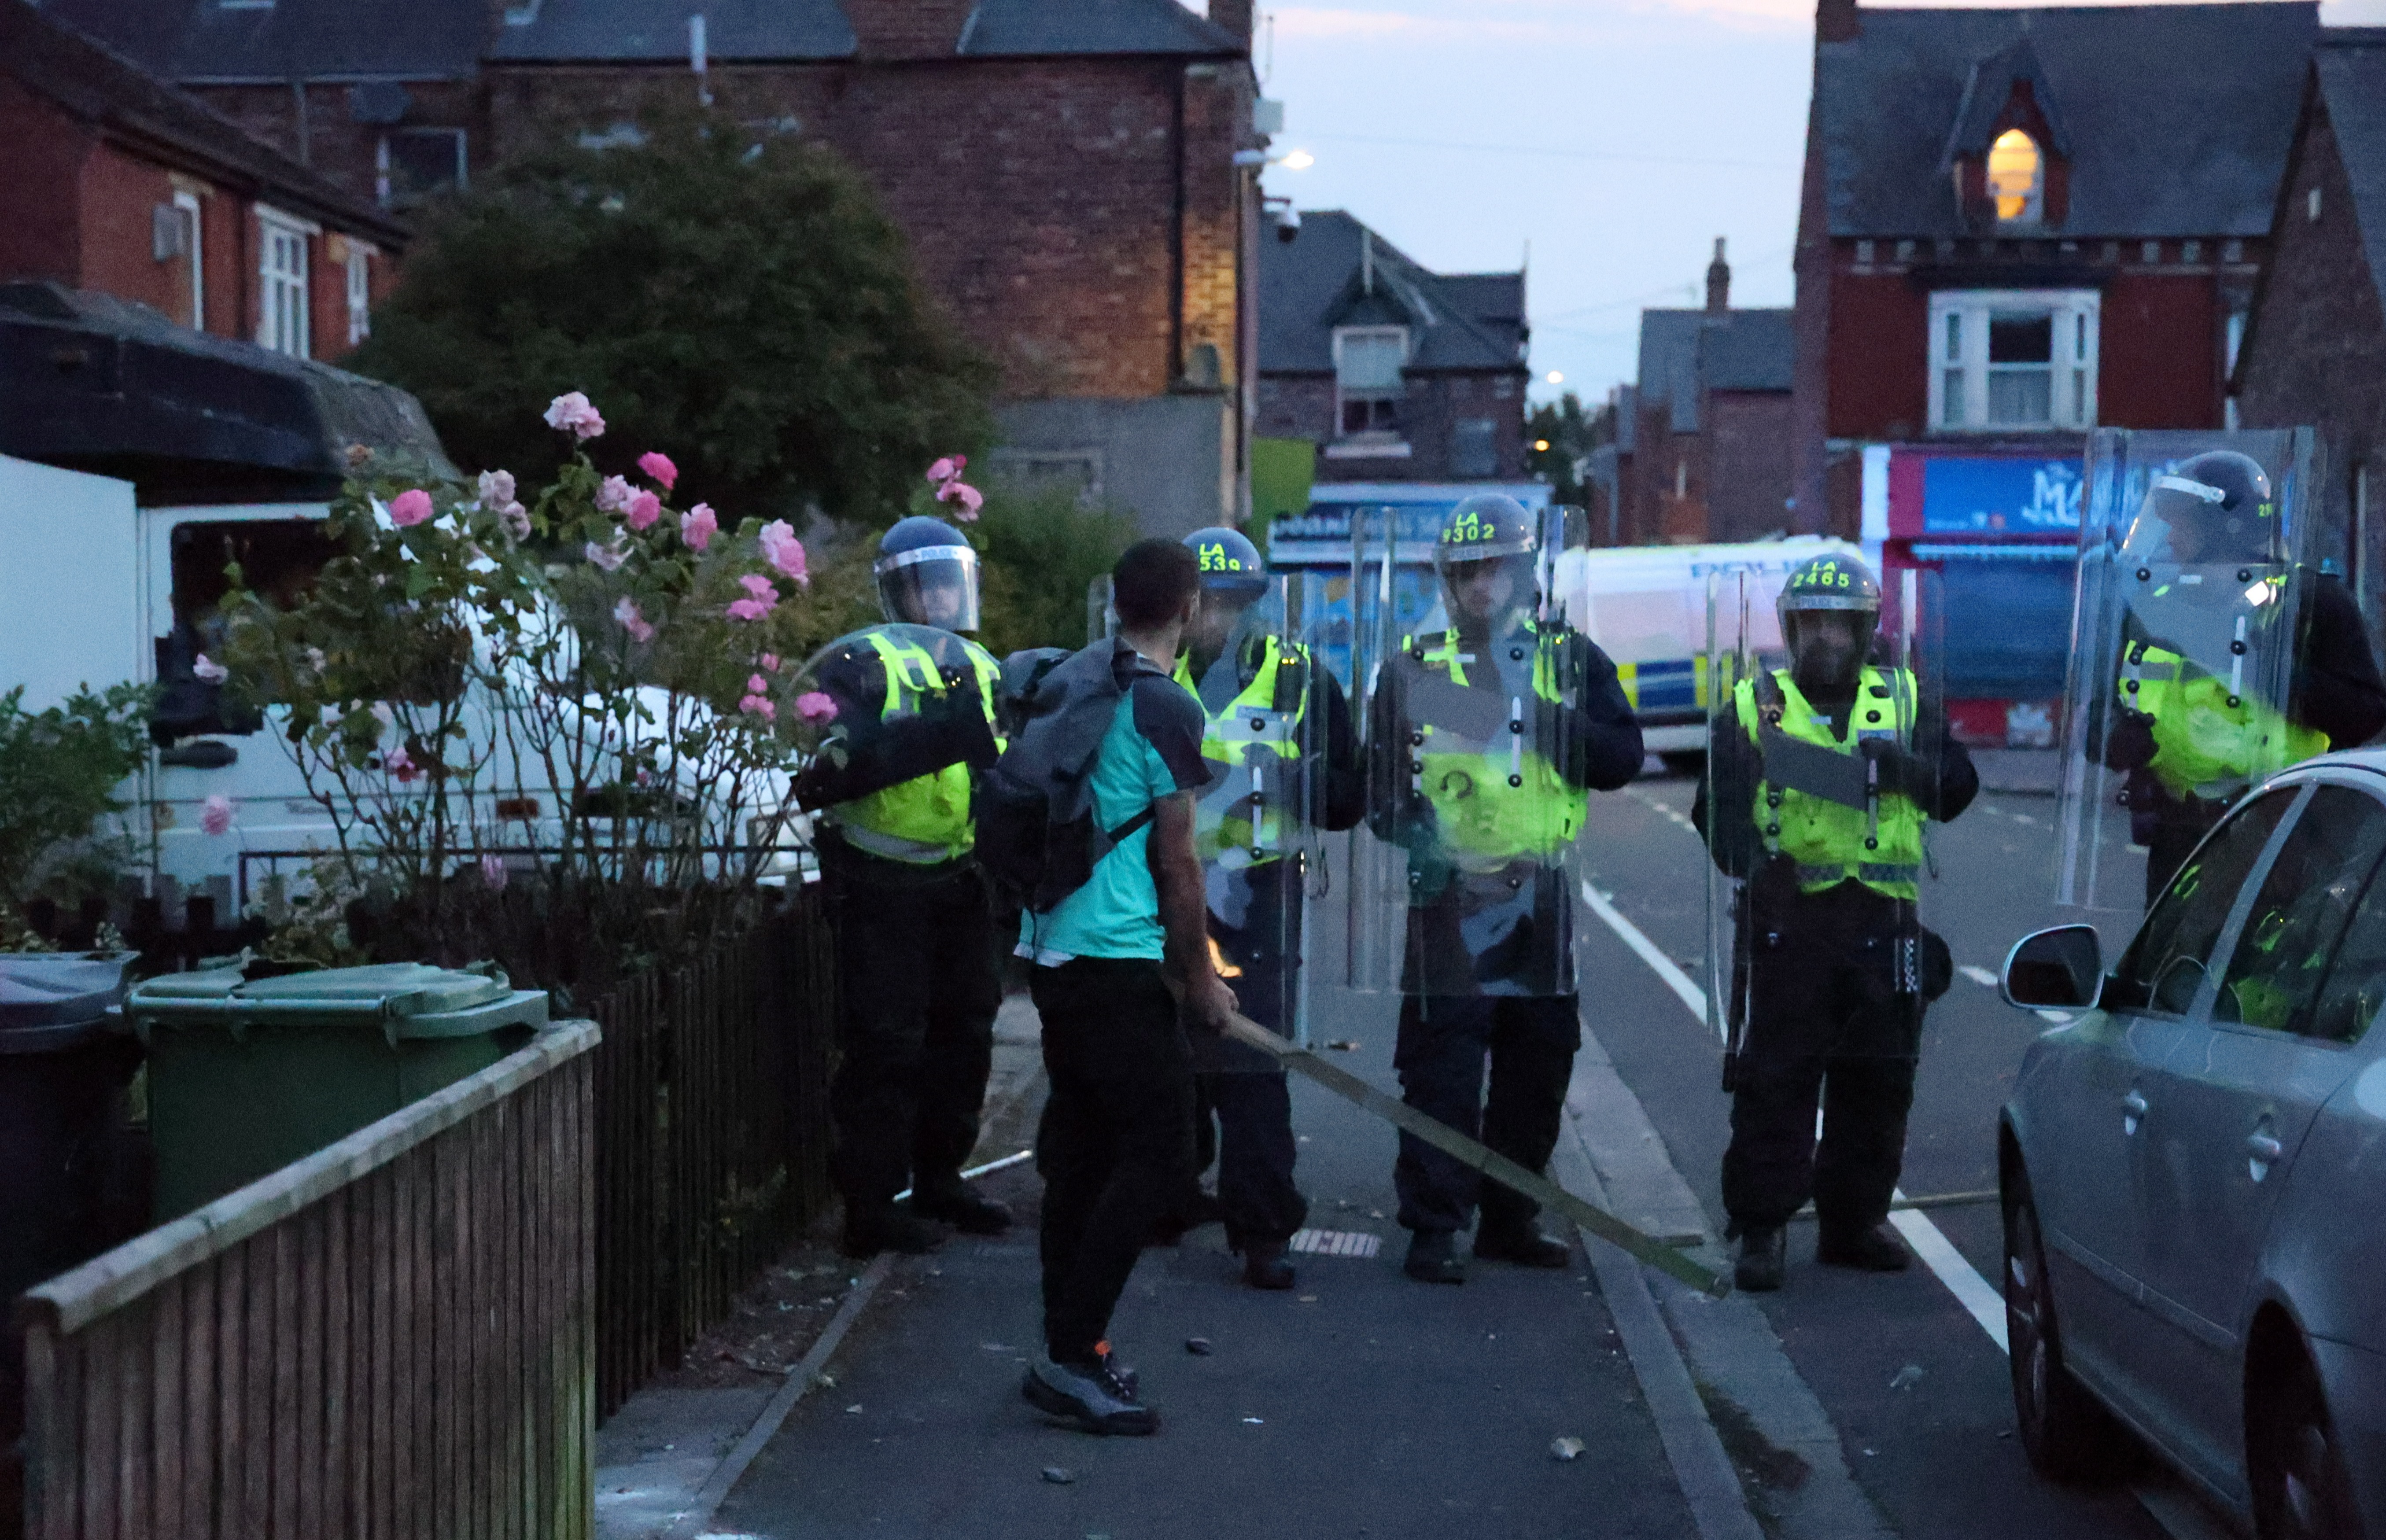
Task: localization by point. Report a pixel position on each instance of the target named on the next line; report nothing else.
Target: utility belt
(843, 859)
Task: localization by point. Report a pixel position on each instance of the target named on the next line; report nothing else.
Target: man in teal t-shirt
(1115, 1147)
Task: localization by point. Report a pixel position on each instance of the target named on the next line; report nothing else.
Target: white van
(1647, 607)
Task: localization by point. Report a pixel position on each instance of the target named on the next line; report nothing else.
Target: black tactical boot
(1763, 1251)
(961, 1209)
(1433, 1258)
(1091, 1396)
(868, 1231)
(1264, 1267)
(1522, 1244)
(1873, 1250)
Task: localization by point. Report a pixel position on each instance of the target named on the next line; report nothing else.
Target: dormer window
(2018, 179)
(1367, 365)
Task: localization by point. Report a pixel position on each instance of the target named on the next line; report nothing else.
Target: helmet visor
(2182, 521)
(933, 587)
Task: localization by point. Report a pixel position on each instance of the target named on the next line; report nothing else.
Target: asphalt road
(1934, 1450)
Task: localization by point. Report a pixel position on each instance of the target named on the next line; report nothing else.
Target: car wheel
(2295, 1465)
(2066, 1431)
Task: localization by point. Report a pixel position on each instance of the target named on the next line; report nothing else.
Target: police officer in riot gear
(2189, 742)
(1285, 763)
(1486, 741)
(1821, 776)
(918, 972)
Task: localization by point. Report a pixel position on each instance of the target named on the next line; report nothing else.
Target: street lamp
(1291, 160)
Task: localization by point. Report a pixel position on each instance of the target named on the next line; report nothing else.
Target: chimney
(1836, 21)
(1718, 283)
(1234, 16)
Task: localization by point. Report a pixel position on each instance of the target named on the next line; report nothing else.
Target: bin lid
(410, 999)
(41, 992)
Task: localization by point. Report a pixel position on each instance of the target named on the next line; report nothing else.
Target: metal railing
(391, 1337)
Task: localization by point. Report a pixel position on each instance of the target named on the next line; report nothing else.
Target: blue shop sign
(2000, 497)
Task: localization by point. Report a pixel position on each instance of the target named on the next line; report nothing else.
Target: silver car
(2194, 1170)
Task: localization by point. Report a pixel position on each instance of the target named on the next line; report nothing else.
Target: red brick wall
(40, 166)
(908, 29)
(1748, 463)
(1881, 358)
(119, 194)
(2160, 353)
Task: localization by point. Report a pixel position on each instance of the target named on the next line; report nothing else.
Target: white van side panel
(69, 582)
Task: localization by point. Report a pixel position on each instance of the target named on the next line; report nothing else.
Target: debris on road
(1907, 1378)
(1564, 1448)
(1255, 1422)
(1199, 1346)
(1343, 1045)
(1058, 1475)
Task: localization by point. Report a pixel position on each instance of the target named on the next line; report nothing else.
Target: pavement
(1363, 1404)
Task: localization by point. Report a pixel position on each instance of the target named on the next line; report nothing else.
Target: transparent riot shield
(1824, 763)
(902, 702)
(2180, 688)
(1257, 824)
(1464, 881)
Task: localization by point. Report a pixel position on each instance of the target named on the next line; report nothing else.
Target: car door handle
(2133, 1108)
(2264, 1149)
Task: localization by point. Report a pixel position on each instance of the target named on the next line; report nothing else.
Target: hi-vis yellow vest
(925, 820)
(1829, 841)
(2204, 745)
(1241, 820)
(1502, 801)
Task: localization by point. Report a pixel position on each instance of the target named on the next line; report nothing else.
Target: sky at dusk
(1611, 140)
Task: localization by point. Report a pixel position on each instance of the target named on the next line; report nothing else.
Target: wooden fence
(390, 1338)
(712, 1134)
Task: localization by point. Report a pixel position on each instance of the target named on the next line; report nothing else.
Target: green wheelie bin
(249, 1075)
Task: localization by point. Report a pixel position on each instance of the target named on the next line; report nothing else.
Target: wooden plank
(103, 1390)
(258, 1385)
(51, 1419)
(75, 1298)
(379, 1401)
(580, 1491)
(233, 1518)
(339, 1440)
(547, 1252)
(452, 1493)
(416, 1348)
(134, 1330)
(168, 1340)
(306, 1474)
(289, 1475)
(201, 1434)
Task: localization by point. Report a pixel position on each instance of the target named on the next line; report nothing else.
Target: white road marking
(1646, 949)
(1979, 975)
(1984, 1304)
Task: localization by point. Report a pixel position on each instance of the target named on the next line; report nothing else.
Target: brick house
(2315, 347)
(2020, 224)
(1702, 448)
(1394, 373)
(112, 181)
(1066, 170)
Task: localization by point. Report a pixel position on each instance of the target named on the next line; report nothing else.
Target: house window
(360, 292)
(281, 273)
(190, 295)
(1367, 384)
(2017, 178)
(2019, 359)
(1474, 449)
(416, 163)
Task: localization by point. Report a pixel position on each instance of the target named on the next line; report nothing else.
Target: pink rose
(759, 705)
(607, 557)
(784, 551)
(659, 469)
(815, 707)
(966, 499)
(516, 520)
(208, 669)
(644, 510)
(401, 765)
(697, 526)
(626, 612)
(410, 507)
(215, 815)
(494, 872)
(570, 412)
(769, 661)
(613, 494)
(947, 468)
(756, 685)
(496, 489)
(761, 597)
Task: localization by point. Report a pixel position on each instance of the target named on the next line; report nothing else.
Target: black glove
(1903, 772)
(2129, 743)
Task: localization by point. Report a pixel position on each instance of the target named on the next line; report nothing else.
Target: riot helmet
(1233, 579)
(1486, 556)
(2216, 506)
(1829, 608)
(927, 575)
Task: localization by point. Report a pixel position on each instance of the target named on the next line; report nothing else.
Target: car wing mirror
(2061, 968)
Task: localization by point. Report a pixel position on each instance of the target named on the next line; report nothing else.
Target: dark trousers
(1444, 1042)
(1826, 1025)
(1242, 1108)
(918, 985)
(1115, 1147)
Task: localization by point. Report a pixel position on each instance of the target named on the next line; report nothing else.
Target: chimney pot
(1718, 282)
(1238, 16)
(1836, 21)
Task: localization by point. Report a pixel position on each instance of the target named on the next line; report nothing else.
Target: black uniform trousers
(1115, 1147)
(1445, 1041)
(1826, 1025)
(1242, 1109)
(919, 982)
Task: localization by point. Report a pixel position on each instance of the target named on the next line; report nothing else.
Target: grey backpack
(1036, 835)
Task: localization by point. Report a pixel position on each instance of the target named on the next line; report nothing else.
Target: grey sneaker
(1091, 1396)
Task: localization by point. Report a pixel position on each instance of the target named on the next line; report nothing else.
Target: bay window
(2012, 360)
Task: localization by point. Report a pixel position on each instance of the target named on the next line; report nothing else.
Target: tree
(1558, 437)
(744, 300)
